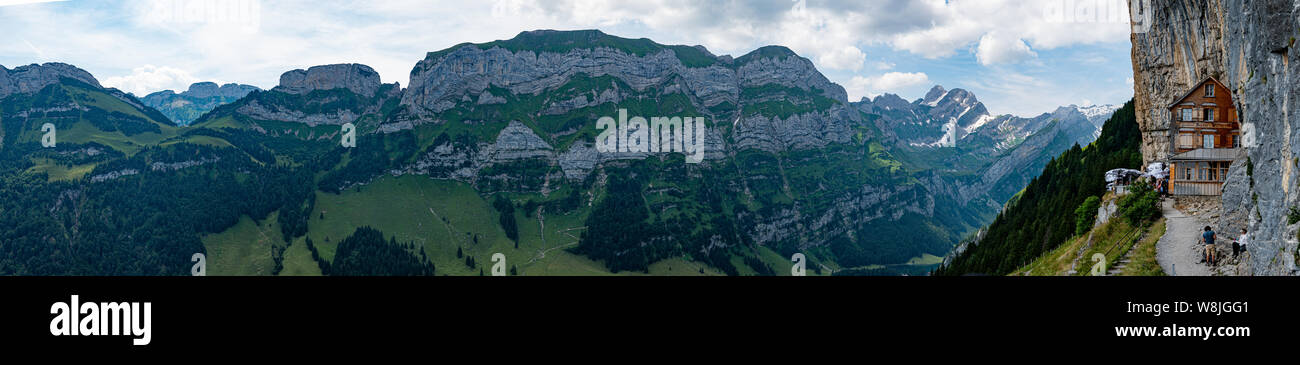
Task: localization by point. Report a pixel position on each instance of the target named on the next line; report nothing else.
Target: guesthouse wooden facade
(1206, 139)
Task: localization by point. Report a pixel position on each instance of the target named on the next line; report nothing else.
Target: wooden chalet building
(1206, 138)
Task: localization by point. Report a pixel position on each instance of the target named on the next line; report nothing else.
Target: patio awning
(1117, 174)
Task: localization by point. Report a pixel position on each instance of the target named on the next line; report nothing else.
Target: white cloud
(860, 86)
(994, 49)
(1039, 24)
(937, 42)
(847, 58)
(149, 78)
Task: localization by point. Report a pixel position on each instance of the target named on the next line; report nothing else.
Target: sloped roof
(1198, 86)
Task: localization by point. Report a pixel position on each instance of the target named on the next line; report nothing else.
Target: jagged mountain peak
(1066, 110)
(1102, 111)
(938, 96)
(890, 101)
(936, 93)
(955, 117)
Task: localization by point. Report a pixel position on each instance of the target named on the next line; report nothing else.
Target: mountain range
(183, 108)
(490, 149)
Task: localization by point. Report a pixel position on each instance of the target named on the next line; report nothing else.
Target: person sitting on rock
(1239, 245)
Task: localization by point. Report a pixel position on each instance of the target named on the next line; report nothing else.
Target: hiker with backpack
(1207, 238)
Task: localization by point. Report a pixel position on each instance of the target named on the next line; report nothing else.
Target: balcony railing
(1209, 154)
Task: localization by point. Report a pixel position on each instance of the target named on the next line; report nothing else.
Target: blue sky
(1019, 57)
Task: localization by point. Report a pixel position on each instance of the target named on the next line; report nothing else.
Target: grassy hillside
(245, 249)
(1115, 240)
(444, 217)
(95, 116)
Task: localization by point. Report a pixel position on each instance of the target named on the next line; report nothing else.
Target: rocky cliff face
(468, 70)
(1185, 44)
(462, 76)
(1246, 45)
(320, 95)
(211, 90)
(358, 78)
(33, 78)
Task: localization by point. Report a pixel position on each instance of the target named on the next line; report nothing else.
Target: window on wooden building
(1186, 140)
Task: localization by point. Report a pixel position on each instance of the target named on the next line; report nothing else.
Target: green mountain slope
(1042, 216)
(490, 150)
(82, 113)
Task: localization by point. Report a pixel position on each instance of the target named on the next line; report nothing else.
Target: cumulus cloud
(994, 49)
(847, 58)
(1037, 24)
(149, 78)
(862, 86)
